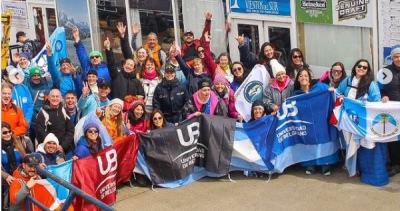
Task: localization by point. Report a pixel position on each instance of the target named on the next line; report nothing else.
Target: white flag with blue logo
(252, 89)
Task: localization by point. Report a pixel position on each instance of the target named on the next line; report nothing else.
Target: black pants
(394, 152)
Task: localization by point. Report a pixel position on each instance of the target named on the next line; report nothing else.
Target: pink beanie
(220, 78)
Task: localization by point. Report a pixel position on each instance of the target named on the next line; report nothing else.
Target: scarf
(150, 76)
(130, 75)
(8, 147)
(206, 108)
(281, 85)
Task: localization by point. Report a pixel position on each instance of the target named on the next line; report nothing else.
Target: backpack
(37, 47)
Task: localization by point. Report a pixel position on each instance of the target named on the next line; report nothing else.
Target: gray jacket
(273, 96)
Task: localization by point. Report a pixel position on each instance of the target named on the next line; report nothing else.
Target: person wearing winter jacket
(334, 76)
(239, 75)
(204, 101)
(93, 61)
(124, 80)
(170, 96)
(54, 119)
(89, 144)
(66, 78)
(49, 150)
(11, 113)
(222, 89)
(90, 98)
(280, 88)
(135, 117)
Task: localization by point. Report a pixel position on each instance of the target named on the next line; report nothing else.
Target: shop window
(324, 45)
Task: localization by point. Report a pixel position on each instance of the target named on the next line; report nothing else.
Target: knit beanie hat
(276, 67)
(258, 104)
(90, 125)
(136, 103)
(98, 53)
(50, 137)
(117, 101)
(204, 82)
(220, 78)
(395, 51)
(24, 55)
(34, 70)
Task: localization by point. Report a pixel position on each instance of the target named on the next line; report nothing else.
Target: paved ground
(292, 190)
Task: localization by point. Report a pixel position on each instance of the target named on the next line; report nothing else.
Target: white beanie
(50, 137)
(395, 51)
(276, 67)
(117, 101)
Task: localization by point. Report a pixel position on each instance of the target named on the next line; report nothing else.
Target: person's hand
(240, 40)
(107, 43)
(275, 108)
(331, 89)
(135, 28)
(75, 33)
(385, 99)
(75, 158)
(175, 49)
(49, 49)
(71, 68)
(240, 118)
(207, 36)
(31, 183)
(341, 97)
(9, 179)
(128, 124)
(60, 149)
(16, 58)
(121, 29)
(197, 113)
(85, 89)
(208, 15)
(42, 165)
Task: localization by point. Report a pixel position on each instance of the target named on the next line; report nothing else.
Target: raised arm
(81, 52)
(207, 25)
(135, 31)
(248, 58)
(112, 67)
(126, 50)
(209, 62)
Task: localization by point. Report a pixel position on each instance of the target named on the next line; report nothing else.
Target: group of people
(155, 89)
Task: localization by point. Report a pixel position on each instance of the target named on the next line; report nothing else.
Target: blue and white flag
(303, 132)
(253, 144)
(252, 89)
(59, 47)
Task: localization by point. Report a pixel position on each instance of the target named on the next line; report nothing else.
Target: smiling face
(158, 120)
(141, 54)
(70, 101)
(35, 79)
(188, 38)
(198, 66)
(152, 40)
(29, 170)
(65, 68)
(258, 112)
(6, 95)
(92, 79)
(150, 66)
(337, 72)
(281, 76)
(200, 52)
(5, 134)
(219, 87)
(23, 62)
(104, 91)
(297, 58)
(129, 66)
(223, 61)
(204, 92)
(92, 134)
(115, 109)
(269, 51)
(361, 69)
(50, 147)
(237, 70)
(138, 112)
(95, 60)
(304, 78)
(169, 75)
(54, 98)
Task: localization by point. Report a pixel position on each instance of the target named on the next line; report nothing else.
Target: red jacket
(13, 115)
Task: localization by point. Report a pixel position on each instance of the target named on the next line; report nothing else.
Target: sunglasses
(363, 67)
(92, 57)
(336, 71)
(202, 51)
(7, 132)
(157, 118)
(92, 131)
(237, 69)
(297, 57)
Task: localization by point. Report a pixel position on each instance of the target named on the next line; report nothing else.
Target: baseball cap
(33, 159)
(188, 32)
(169, 68)
(20, 33)
(104, 82)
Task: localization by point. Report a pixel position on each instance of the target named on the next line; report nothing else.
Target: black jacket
(190, 75)
(123, 83)
(392, 89)
(170, 97)
(57, 122)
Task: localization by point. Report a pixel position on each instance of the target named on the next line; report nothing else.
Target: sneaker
(326, 170)
(393, 170)
(310, 170)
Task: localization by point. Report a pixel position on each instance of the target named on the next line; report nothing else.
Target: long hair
(344, 74)
(227, 56)
(135, 58)
(245, 72)
(365, 80)
(17, 144)
(143, 68)
(119, 122)
(152, 125)
(290, 66)
(297, 85)
(92, 149)
(262, 59)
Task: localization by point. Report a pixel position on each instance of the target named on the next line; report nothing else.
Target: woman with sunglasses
(305, 84)
(267, 52)
(157, 120)
(295, 62)
(89, 144)
(12, 153)
(334, 76)
(360, 85)
(135, 119)
(239, 74)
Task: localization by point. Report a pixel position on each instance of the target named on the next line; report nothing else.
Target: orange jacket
(38, 191)
(155, 54)
(13, 115)
(111, 127)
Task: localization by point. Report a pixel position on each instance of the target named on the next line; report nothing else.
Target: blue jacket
(38, 93)
(374, 94)
(88, 104)
(23, 99)
(82, 148)
(102, 69)
(64, 82)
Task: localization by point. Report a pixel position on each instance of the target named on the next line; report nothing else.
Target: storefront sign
(19, 13)
(265, 7)
(336, 12)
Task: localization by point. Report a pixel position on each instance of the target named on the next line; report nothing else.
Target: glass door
(279, 37)
(44, 20)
